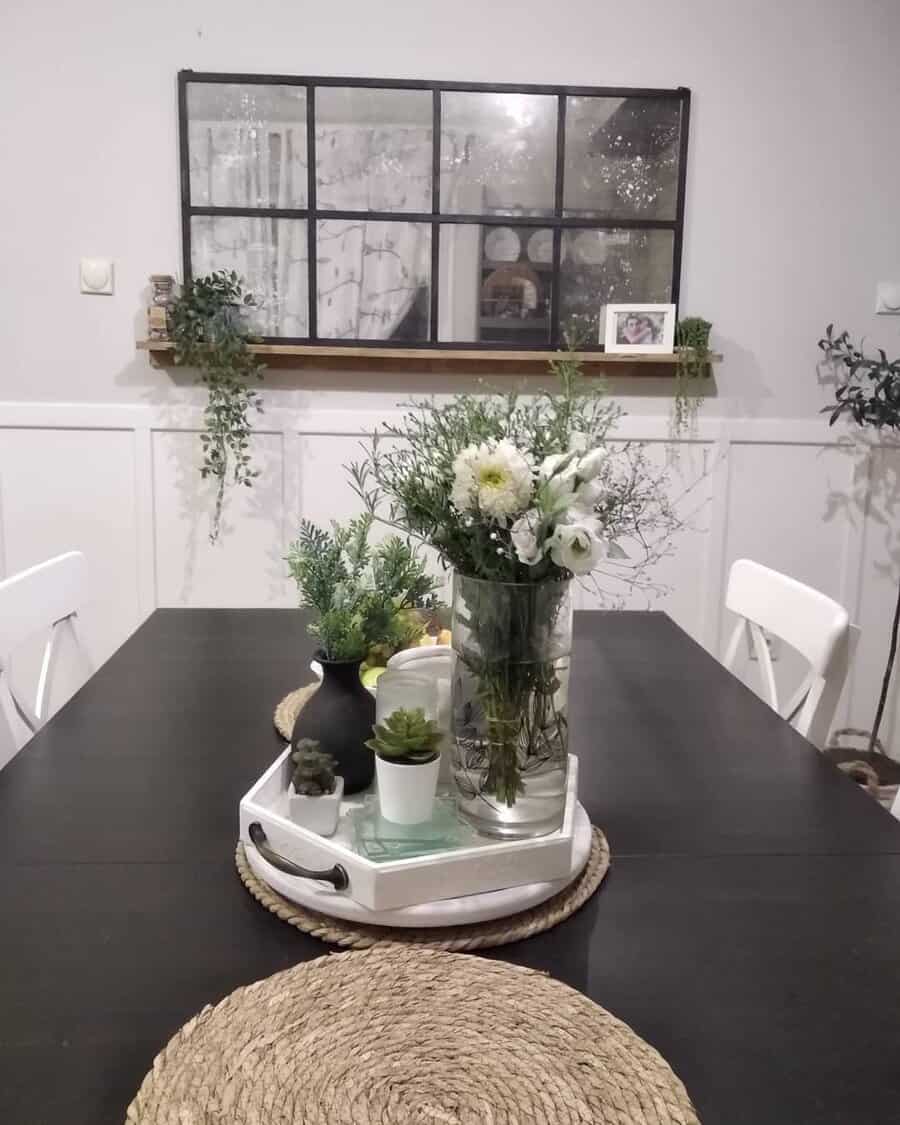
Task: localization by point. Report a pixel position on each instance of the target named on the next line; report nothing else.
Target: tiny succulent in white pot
(407, 764)
(315, 792)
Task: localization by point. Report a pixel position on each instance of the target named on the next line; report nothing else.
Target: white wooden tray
(465, 910)
(485, 865)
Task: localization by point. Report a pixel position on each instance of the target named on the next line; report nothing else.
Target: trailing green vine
(208, 334)
(693, 354)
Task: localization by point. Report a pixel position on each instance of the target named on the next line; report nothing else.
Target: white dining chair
(807, 620)
(44, 598)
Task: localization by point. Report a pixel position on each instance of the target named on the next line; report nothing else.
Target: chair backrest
(47, 598)
(806, 619)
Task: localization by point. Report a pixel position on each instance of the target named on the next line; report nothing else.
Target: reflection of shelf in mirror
(546, 267)
(517, 323)
(459, 359)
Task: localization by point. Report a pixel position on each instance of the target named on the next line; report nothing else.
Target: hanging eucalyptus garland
(209, 333)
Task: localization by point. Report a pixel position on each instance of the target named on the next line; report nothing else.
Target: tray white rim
(484, 906)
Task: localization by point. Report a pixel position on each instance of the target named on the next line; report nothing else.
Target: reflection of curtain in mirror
(255, 167)
(368, 274)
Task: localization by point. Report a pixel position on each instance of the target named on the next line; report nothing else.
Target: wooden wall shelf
(322, 357)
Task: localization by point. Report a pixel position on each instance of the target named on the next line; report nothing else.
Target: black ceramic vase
(339, 717)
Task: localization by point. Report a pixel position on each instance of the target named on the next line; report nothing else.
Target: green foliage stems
(406, 737)
(358, 593)
(869, 390)
(505, 639)
(208, 335)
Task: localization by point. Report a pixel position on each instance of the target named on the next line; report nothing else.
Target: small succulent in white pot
(407, 764)
(314, 792)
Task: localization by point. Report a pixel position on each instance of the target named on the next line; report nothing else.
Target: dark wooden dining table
(749, 927)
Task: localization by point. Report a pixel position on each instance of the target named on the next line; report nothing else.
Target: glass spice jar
(159, 313)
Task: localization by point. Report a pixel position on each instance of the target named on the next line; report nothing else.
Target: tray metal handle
(336, 875)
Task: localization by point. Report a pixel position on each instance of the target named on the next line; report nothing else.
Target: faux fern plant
(358, 593)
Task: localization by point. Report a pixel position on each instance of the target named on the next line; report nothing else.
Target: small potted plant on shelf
(407, 761)
(315, 793)
(355, 592)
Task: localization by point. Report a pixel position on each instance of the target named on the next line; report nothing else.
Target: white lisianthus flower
(524, 538)
(578, 443)
(587, 495)
(559, 491)
(592, 463)
(494, 479)
(576, 547)
(557, 477)
(551, 465)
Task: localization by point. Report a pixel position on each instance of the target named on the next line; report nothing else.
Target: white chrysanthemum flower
(576, 547)
(524, 538)
(494, 479)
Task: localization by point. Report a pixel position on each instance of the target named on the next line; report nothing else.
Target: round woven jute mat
(480, 935)
(405, 1036)
(290, 707)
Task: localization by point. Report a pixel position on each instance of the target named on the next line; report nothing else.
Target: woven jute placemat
(290, 707)
(404, 1036)
(480, 935)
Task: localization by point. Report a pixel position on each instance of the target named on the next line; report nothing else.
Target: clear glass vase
(510, 695)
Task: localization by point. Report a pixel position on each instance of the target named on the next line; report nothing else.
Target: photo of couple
(640, 328)
(643, 329)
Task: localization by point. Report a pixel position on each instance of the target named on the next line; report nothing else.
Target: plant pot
(509, 698)
(886, 770)
(318, 814)
(339, 716)
(406, 790)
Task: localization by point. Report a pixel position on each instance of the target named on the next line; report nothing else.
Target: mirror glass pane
(247, 145)
(373, 149)
(373, 280)
(622, 157)
(601, 267)
(269, 255)
(498, 153)
(495, 284)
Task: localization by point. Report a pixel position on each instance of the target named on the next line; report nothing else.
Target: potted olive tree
(868, 391)
(407, 760)
(314, 792)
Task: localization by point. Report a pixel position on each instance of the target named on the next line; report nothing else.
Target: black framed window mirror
(381, 213)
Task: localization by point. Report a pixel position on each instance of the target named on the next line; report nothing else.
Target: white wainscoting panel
(245, 567)
(63, 489)
(122, 484)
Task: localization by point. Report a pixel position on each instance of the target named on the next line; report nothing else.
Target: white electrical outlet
(887, 298)
(97, 276)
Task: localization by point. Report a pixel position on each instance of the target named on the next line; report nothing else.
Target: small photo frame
(640, 329)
